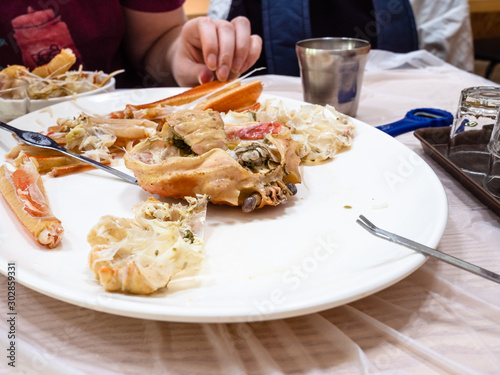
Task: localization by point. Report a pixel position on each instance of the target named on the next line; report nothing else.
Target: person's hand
(214, 49)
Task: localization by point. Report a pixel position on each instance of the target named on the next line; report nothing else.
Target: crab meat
(257, 156)
(200, 130)
(260, 169)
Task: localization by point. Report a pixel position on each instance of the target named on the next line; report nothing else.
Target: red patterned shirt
(32, 32)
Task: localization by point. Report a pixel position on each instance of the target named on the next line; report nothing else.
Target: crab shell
(216, 174)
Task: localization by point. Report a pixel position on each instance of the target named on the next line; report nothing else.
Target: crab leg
(216, 95)
(23, 190)
(251, 203)
(292, 188)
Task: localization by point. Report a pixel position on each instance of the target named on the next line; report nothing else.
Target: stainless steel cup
(332, 71)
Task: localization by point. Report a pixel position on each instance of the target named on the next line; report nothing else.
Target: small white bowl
(36, 104)
(11, 109)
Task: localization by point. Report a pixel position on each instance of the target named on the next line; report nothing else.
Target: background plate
(301, 257)
(36, 104)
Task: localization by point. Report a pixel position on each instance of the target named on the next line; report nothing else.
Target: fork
(370, 227)
(42, 141)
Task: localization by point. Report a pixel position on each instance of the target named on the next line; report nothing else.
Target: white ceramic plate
(301, 257)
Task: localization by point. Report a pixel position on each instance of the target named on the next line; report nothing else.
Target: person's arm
(167, 48)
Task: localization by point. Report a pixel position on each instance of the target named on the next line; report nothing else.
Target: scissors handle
(418, 118)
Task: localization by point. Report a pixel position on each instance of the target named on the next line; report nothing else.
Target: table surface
(484, 6)
(438, 320)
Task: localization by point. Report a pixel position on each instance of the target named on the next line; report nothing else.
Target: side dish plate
(304, 256)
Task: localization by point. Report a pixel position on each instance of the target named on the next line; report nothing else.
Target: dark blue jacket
(386, 24)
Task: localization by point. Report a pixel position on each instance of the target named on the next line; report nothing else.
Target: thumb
(192, 74)
(205, 75)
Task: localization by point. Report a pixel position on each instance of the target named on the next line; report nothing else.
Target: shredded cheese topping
(142, 254)
(321, 131)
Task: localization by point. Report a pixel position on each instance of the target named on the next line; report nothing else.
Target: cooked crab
(256, 166)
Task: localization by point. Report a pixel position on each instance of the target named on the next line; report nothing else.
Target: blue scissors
(418, 118)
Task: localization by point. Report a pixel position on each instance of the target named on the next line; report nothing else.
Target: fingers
(207, 35)
(245, 50)
(226, 38)
(253, 52)
(226, 48)
(242, 42)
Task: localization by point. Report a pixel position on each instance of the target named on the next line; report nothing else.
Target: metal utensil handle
(12, 129)
(369, 226)
(42, 141)
(96, 164)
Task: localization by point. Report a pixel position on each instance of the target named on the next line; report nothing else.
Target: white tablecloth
(438, 320)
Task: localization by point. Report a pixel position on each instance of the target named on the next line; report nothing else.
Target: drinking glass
(491, 181)
(471, 130)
